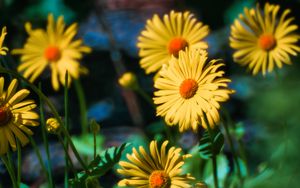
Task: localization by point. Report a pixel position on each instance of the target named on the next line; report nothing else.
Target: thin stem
(52, 108)
(235, 158)
(227, 121)
(45, 141)
(61, 140)
(10, 171)
(95, 144)
(214, 157)
(145, 96)
(19, 164)
(66, 103)
(10, 163)
(38, 154)
(82, 106)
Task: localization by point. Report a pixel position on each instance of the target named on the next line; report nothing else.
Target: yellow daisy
(165, 37)
(3, 49)
(54, 48)
(15, 115)
(159, 169)
(189, 89)
(264, 39)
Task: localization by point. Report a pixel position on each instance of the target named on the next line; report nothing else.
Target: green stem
(38, 154)
(10, 163)
(61, 140)
(145, 96)
(95, 144)
(66, 103)
(19, 164)
(227, 121)
(82, 106)
(235, 158)
(10, 171)
(45, 141)
(52, 108)
(214, 157)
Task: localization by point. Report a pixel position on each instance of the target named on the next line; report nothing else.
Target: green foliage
(85, 143)
(211, 144)
(99, 166)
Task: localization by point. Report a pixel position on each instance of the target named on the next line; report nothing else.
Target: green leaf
(211, 144)
(99, 166)
(22, 185)
(85, 143)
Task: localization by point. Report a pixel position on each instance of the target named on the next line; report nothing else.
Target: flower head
(128, 80)
(53, 48)
(52, 125)
(3, 49)
(264, 39)
(190, 89)
(165, 37)
(15, 115)
(159, 169)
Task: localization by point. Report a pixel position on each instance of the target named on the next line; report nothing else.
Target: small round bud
(128, 80)
(52, 125)
(95, 127)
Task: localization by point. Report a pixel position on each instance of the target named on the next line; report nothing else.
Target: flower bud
(129, 81)
(52, 125)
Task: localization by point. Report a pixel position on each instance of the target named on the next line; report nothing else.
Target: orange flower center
(158, 179)
(177, 44)
(267, 42)
(188, 88)
(5, 116)
(52, 53)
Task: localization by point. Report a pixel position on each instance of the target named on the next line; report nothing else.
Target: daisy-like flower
(165, 37)
(3, 49)
(159, 169)
(189, 90)
(15, 115)
(264, 39)
(54, 48)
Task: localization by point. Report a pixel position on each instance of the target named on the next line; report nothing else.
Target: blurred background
(265, 111)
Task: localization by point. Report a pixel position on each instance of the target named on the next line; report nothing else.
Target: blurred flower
(3, 49)
(163, 38)
(54, 48)
(263, 41)
(52, 125)
(189, 89)
(15, 115)
(128, 80)
(157, 170)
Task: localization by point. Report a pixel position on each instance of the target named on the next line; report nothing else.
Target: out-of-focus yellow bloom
(190, 90)
(161, 168)
(3, 49)
(16, 114)
(128, 80)
(264, 39)
(52, 125)
(53, 48)
(165, 37)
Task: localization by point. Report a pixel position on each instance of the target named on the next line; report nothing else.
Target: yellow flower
(3, 49)
(128, 80)
(264, 39)
(165, 37)
(15, 115)
(54, 48)
(52, 125)
(189, 89)
(161, 168)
